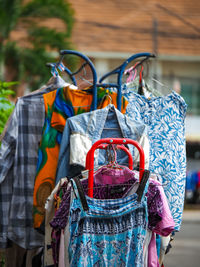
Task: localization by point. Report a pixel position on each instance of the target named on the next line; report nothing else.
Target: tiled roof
(126, 26)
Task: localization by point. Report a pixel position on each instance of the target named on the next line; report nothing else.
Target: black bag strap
(83, 199)
(81, 193)
(142, 184)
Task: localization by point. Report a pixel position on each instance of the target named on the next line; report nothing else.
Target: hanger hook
(111, 153)
(106, 95)
(110, 98)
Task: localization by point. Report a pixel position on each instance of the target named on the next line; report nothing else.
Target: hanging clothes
(163, 228)
(21, 257)
(45, 121)
(51, 205)
(88, 128)
(54, 82)
(112, 232)
(18, 161)
(165, 120)
(127, 184)
(113, 191)
(59, 106)
(61, 219)
(165, 241)
(152, 204)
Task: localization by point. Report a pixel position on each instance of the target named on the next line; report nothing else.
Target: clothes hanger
(140, 86)
(144, 174)
(119, 71)
(162, 86)
(132, 73)
(112, 141)
(82, 85)
(112, 157)
(61, 67)
(86, 62)
(93, 70)
(56, 78)
(144, 88)
(105, 146)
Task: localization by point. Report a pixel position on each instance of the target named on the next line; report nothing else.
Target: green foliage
(2, 258)
(9, 14)
(6, 106)
(56, 9)
(40, 36)
(41, 44)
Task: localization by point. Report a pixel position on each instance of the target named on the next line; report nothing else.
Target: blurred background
(33, 32)
(108, 31)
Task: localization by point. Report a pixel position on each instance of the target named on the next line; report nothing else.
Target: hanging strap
(76, 183)
(81, 193)
(142, 184)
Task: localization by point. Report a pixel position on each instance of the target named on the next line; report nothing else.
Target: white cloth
(49, 213)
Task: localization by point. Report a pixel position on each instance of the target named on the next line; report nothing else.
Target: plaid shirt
(18, 161)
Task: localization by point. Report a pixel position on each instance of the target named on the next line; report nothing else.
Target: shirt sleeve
(167, 224)
(144, 142)
(160, 219)
(64, 154)
(7, 154)
(8, 146)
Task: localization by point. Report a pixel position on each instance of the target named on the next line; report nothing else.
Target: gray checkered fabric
(18, 161)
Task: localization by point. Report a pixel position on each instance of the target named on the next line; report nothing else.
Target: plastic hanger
(56, 78)
(144, 88)
(119, 71)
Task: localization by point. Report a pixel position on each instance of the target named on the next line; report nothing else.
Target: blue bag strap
(119, 71)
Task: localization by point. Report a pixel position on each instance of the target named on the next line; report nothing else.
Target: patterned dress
(110, 233)
(165, 119)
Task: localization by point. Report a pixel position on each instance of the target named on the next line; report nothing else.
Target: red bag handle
(104, 146)
(119, 141)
